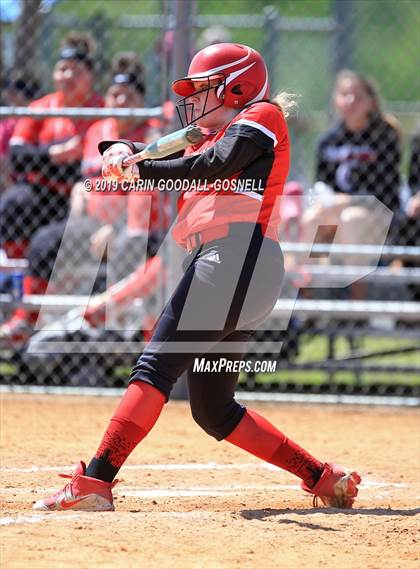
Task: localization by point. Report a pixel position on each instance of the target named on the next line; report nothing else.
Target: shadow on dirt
(270, 512)
(307, 525)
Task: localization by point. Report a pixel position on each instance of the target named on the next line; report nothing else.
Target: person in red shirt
(232, 278)
(46, 153)
(135, 269)
(131, 223)
(17, 91)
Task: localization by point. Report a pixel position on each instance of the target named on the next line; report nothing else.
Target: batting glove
(112, 165)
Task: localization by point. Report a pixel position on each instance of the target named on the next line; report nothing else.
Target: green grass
(6, 369)
(344, 377)
(314, 348)
(389, 46)
(301, 8)
(111, 8)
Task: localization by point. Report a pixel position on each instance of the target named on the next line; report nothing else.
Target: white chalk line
(204, 491)
(175, 492)
(187, 491)
(66, 516)
(230, 491)
(366, 483)
(172, 492)
(36, 518)
(178, 492)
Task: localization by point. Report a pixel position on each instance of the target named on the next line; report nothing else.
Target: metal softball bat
(166, 145)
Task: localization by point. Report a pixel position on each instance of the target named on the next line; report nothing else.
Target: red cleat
(81, 493)
(336, 487)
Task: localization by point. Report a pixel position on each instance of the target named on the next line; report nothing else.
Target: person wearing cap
(46, 153)
(98, 218)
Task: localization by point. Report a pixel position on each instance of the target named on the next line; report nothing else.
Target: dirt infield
(187, 501)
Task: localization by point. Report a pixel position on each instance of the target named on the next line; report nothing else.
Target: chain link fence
(74, 73)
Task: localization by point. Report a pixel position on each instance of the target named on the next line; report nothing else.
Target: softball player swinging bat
(232, 278)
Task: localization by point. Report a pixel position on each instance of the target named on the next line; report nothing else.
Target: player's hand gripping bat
(167, 145)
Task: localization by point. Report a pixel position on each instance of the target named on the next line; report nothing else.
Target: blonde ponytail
(286, 102)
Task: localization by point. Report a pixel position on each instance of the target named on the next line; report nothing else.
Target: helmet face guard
(185, 107)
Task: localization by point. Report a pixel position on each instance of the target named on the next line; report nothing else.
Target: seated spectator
(359, 157)
(46, 153)
(408, 231)
(17, 91)
(96, 219)
(413, 206)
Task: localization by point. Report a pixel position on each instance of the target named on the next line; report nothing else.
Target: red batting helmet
(240, 71)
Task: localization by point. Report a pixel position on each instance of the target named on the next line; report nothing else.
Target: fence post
(182, 9)
(271, 41)
(97, 25)
(343, 50)
(47, 48)
(27, 36)
(164, 53)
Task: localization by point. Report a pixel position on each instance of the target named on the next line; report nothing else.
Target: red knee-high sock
(134, 418)
(259, 437)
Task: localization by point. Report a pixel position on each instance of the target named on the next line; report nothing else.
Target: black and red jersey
(234, 176)
(362, 163)
(414, 166)
(255, 185)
